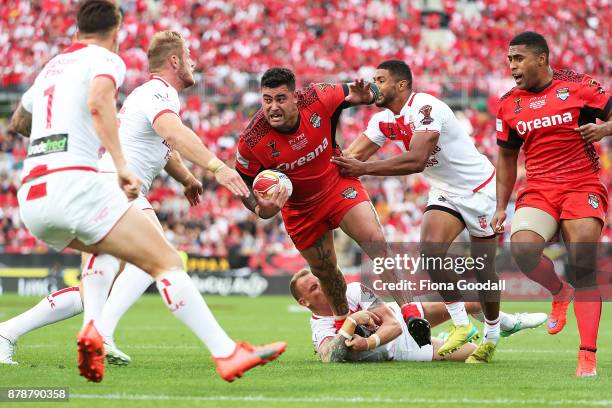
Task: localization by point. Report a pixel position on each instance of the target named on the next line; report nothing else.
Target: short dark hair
(278, 76)
(398, 68)
(293, 284)
(532, 40)
(98, 16)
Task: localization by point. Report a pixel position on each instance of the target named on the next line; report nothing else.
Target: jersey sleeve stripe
(109, 76)
(161, 113)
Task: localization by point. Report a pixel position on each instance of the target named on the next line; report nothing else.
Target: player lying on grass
(390, 340)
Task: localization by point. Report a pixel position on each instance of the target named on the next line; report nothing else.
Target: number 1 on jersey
(49, 93)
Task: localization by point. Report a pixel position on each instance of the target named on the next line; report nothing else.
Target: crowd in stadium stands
(232, 42)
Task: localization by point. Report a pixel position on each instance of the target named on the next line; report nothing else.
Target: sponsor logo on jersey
(322, 86)
(482, 219)
(349, 193)
(272, 145)
(299, 142)
(426, 112)
(315, 120)
(48, 144)
(518, 106)
(537, 102)
(593, 200)
(306, 158)
(563, 93)
(442, 199)
(523, 127)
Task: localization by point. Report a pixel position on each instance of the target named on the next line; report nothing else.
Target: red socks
(587, 308)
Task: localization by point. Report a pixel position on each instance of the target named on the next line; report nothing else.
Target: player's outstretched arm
(505, 179)
(412, 161)
(180, 137)
(361, 149)
(362, 93)
(21, 121)
(101, 104)
(178, 171)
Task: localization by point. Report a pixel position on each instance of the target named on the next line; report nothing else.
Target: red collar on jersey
(160, 79)
(411, 98)
(74, 47)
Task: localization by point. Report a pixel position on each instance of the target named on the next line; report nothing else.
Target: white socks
(491, 330)
(127, 289)
(57, 306)
(506, 321)
(185, 302)
(457, 312)
(96, 280)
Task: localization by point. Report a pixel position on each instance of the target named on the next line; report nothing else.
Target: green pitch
(171, 368)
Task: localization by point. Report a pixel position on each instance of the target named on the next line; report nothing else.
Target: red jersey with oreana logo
(544, 122)
(302, 153)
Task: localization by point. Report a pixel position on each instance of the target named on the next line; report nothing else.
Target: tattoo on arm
(334, 351)
(21, 122)
(250, 202)
(334, 286)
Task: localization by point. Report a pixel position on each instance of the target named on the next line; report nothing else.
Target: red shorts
(568, 201)
(307, 224)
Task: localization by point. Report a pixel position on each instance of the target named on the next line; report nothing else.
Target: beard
(185, 75)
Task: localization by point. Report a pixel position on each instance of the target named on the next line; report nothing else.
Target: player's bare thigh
(440, 227)
(531, 229)
(361, 223)
(136, 240)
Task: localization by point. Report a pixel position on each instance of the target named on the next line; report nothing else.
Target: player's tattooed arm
(333, 350)
(21, 122)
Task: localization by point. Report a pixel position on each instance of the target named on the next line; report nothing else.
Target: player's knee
(162, 262)
(526, 255)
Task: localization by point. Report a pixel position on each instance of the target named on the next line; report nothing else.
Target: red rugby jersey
(304, 153)
(544, 122)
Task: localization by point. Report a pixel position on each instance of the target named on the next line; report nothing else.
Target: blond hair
(293, 284)
(164, 44)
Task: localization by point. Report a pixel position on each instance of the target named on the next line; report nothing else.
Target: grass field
(171, 368)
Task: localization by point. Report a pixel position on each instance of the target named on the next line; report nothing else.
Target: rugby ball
(267, 181)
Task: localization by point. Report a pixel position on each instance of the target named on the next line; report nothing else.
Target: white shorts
(140, 202)
(475, 210)
(404, 348)
(62, 206)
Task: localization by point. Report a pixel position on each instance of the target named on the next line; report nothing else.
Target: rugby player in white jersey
(389, 339)
(69, 113)
(462, 193)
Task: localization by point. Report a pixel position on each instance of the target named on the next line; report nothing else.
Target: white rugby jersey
(146, 153)
(359, 297)
(63, 134)
(455, 166)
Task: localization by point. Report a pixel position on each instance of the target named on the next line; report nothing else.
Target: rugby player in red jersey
(552, 115)
(294, 132)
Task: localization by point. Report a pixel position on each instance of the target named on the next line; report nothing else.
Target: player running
(389, 339)
(552, 114)
(294, 132)
(462, 194)
(149, 127)
(69, 113)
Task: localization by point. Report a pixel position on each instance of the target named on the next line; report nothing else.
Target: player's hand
(497, 222)
(359, 93)
(271, 206)
(230, 179)
(357, 343)
(129, 182)
(592, 132)
(349, 166)
(366, 318)
(192, 190)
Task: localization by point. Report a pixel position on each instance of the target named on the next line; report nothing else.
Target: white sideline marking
(162, 347)
(371, 400)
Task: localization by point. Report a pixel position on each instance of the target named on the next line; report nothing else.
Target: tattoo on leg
(332, 280)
